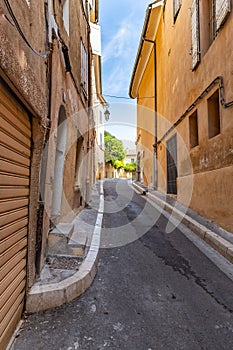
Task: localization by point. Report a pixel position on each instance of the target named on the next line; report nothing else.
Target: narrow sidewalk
(218, 238)
(66, 275)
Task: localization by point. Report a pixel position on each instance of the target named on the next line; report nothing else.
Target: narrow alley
(153, 290)
(116, 169)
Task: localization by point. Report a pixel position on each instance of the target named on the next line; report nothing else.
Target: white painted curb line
(224, 247)
(52, 295)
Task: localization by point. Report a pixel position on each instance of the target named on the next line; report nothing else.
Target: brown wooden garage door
(15, 144)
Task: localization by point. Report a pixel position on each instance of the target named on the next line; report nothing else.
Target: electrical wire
(21, 32)
(127, 98)
(220, 81)
(119, 97)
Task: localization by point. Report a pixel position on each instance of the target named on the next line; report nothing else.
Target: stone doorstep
(58, 245)
(63, 229)
(48, 296)
(43, 296)
(220, 244)
(78, 239)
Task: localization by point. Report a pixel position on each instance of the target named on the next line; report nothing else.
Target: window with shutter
(222, 8)
(28, 3)
(91, 4)
(84, 68)
(195, 33)
(176, 7)
(66, 15)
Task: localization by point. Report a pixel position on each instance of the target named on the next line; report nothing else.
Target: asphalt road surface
(154, 290)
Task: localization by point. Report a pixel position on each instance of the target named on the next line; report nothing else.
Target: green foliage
(118, 164)
(114, 149)
(115, 154)
(130, 167)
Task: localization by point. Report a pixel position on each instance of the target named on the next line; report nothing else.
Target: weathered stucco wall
(66, 91)
(25, 70)
(25, 74)
(145, 121)
(177, 88)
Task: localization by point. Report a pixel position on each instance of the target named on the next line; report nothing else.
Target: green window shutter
(195, 33)
(222, 8)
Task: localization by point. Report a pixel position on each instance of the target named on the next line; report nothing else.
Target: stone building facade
(182, 79)
(47, 137)
(98, 101)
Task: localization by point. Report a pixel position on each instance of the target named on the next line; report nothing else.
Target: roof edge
(150, 7)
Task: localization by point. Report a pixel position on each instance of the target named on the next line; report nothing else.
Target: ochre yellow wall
(205, 173)
(145, 121)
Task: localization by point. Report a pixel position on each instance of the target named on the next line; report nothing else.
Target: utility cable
(21, 32)
(128, 98)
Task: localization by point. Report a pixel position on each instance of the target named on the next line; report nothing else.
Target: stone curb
(43, 297)
(224, 247)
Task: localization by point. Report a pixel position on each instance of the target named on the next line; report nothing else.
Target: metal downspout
(155, 162)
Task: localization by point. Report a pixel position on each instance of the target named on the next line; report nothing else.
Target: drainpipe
(90, 119)
(143, 38)
(155, 149)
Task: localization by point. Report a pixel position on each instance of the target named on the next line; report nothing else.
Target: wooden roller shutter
(15, 145)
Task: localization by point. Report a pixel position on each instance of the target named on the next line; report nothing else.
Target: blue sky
(121, 22)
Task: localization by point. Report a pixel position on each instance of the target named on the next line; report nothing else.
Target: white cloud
(117, 81)
(120, 42)
(118, 57)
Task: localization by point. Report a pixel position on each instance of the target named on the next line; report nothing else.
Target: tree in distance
(115, 153)
(114, 149)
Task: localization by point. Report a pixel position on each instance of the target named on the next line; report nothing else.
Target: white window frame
(66, 16)
(195, 34)
(101, 117)
(222, 9)
(176, 7)
(101, 140)
(91, 3)
(28, 3)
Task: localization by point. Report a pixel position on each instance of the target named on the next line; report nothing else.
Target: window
(101, 140)
(222, 9)
(176, 8)
(84, 68)
(66, 20)
(213, 115)
(91, 3)
(84, 5)
(193, 130)
(101, 117)
(207, 25)
(132, 160)
(79, 164)
(195, 34)
(213, 13)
